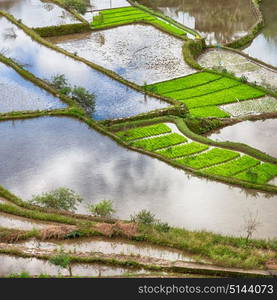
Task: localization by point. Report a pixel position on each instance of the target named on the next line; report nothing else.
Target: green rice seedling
(156, 143)
(259, 174)
(142, 132)
(185, 82)
(239, 92)
(208, 111)
(204, 89)
(183, 150)
(233, 167)
(207, 159)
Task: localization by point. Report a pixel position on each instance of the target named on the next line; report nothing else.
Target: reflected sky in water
(113, 100)
(259, 134)
(35, 13)
(50, 152)
(264, 46)
(17, 93)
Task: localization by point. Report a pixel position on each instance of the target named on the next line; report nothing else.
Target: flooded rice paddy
(116, 247)
(219, 21)
(65, 152)
(35, 267)
(113, 100)
(264, 46)
(259, 134)
(240, 66)
(139, 53)
(17, 94)
(36, 13)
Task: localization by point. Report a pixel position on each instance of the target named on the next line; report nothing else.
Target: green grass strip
(131, 17)
(123, 14)
(160, 142)
(182, 82)
(234, 166)
(142, 132)
(259, 174)
(207, 159)
(118, 10)
(209, 87)
(240, 92)
(208, 111)
(183, 150)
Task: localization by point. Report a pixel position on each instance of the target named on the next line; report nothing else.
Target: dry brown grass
(56, 232)
(118, 229)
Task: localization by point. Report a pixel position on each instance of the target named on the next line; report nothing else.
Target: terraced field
(212, 161)
(203, 92)
(127, 15)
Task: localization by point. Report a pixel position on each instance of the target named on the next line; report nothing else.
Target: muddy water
(219, 21)
(14, 222)
(113, 100)
(115, 247)
(259, 134)
(264, 46)
(141, 54)
(17, 93)
(239, 65)
(64, 152)
(36, 13)
(33, 266)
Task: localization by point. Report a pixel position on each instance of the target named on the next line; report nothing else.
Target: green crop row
(160, 142)
(209, 87)
(183, 150)
(142, 132)
(119, 10)
(208, 111)
(240, 92)
(169, 27)
(207, 159)
(259, 174)
(185, 82)
(233, 167)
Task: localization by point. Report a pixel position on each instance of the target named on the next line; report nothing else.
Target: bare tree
(251, 224)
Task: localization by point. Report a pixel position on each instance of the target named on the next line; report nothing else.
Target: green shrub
(62, 260)
(162, 226)
(102, 209)
(61, 198)
(144, 217)
(79, 5)
(84, 97)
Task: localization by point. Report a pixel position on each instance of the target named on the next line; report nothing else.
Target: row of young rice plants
(208, 111)
(125, 16)
(185, 82)
(207, 159)
(260, 174)
(142, 132)
(208, 88)
(233, 167)
(234, 94)
(152, 144)
(183, 150)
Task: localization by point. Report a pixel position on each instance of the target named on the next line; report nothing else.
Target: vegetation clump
(79, 5)
(61, 198)
(85, 98)
(102, 209)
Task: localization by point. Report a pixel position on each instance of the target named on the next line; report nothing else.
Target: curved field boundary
(107, 72)
(254, 31)
(165, 18)
(71, 11)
